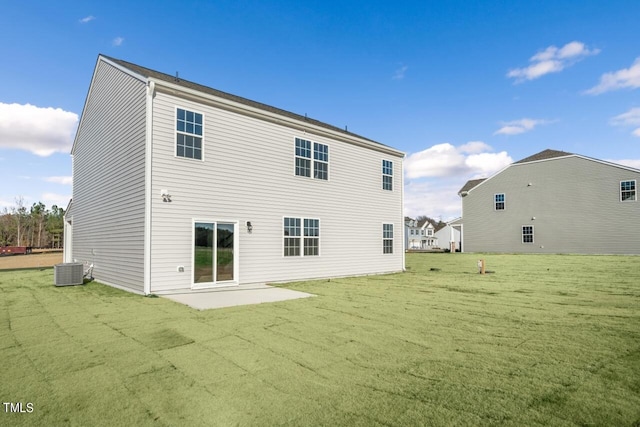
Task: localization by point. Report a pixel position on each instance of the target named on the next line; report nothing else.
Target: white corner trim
(148, 146)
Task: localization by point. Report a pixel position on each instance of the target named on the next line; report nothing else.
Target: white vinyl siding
(108, 179)
(247, 176)
(576, 203)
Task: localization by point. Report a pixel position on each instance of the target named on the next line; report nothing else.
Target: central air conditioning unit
(67, 274)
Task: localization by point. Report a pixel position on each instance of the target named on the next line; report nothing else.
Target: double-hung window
(628, 191)
(499, 201)
(312, 156)
(387, 238)
(189, 134)
(301, 236)
(387, 175)
(527, 234)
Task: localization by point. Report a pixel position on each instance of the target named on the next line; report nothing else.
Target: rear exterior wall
(573, 204)
(248, 175)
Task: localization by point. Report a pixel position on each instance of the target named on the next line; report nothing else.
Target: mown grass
(545, 340)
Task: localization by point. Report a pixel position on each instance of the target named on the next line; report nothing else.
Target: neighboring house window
(189, 134)
(304, 160)
(387, 238)
(387, 175)
(413, 232)
(301, 233)
(499, 201)
(527, 234)
(429, 232)
(628, 191)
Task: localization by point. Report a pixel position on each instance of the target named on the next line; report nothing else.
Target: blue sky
(464, 88)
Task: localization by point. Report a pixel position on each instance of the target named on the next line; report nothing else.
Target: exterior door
(214, 254)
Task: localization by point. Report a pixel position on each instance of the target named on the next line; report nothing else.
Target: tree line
(34, 226)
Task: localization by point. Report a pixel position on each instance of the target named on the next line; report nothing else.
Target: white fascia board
(271, 117)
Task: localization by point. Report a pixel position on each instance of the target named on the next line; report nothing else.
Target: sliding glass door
(214, 253)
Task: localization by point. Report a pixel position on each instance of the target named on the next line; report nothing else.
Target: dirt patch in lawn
(33, 260)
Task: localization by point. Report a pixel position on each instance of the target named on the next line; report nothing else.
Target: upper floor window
(301, 237)
(387, 238)
(189, 134)
(628, 191)
(527, 234)
(429, 232)
(387, 175)
(305, 162)
(499, 202)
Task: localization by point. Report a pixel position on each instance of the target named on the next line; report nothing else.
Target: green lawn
(545, 340)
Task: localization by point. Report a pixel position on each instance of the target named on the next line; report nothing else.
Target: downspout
(147, 186)
(402, 214)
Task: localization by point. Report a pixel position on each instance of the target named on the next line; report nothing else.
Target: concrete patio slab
(234, 296)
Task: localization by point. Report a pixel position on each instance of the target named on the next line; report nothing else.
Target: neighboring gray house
(554, 202)
(178, 186)
(449, 235)
(419, 234)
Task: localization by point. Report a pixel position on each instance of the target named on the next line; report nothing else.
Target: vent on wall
(68, 274)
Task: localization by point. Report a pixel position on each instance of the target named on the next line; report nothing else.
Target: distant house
(420, 234)
(554, 202)
(178, 186)
(449, 235)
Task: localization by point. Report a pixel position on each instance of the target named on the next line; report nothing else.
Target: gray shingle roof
(149, 73)
(544, 155)
(470, 184)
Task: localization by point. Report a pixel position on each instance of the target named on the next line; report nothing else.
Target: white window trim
(386, 174)
(313, 161)
(635, 189)
(504, 202)
(533, 235)
(236, 256)
(301, 237)
(393, 238)
(176, 131)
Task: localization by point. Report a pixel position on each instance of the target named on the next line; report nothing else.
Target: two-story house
(419, 234)
(178, 186)
(553, 202)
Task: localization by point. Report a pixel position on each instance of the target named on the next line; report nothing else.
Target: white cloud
(516, 127)
(630, 118)
(446, 160)
(87, 19)
(434, 199)
(50, 199)
(435, 175)
(64, 180)
(42, 131)
(117, 41)
(400, 72)
(625, 78)
(552, 60)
